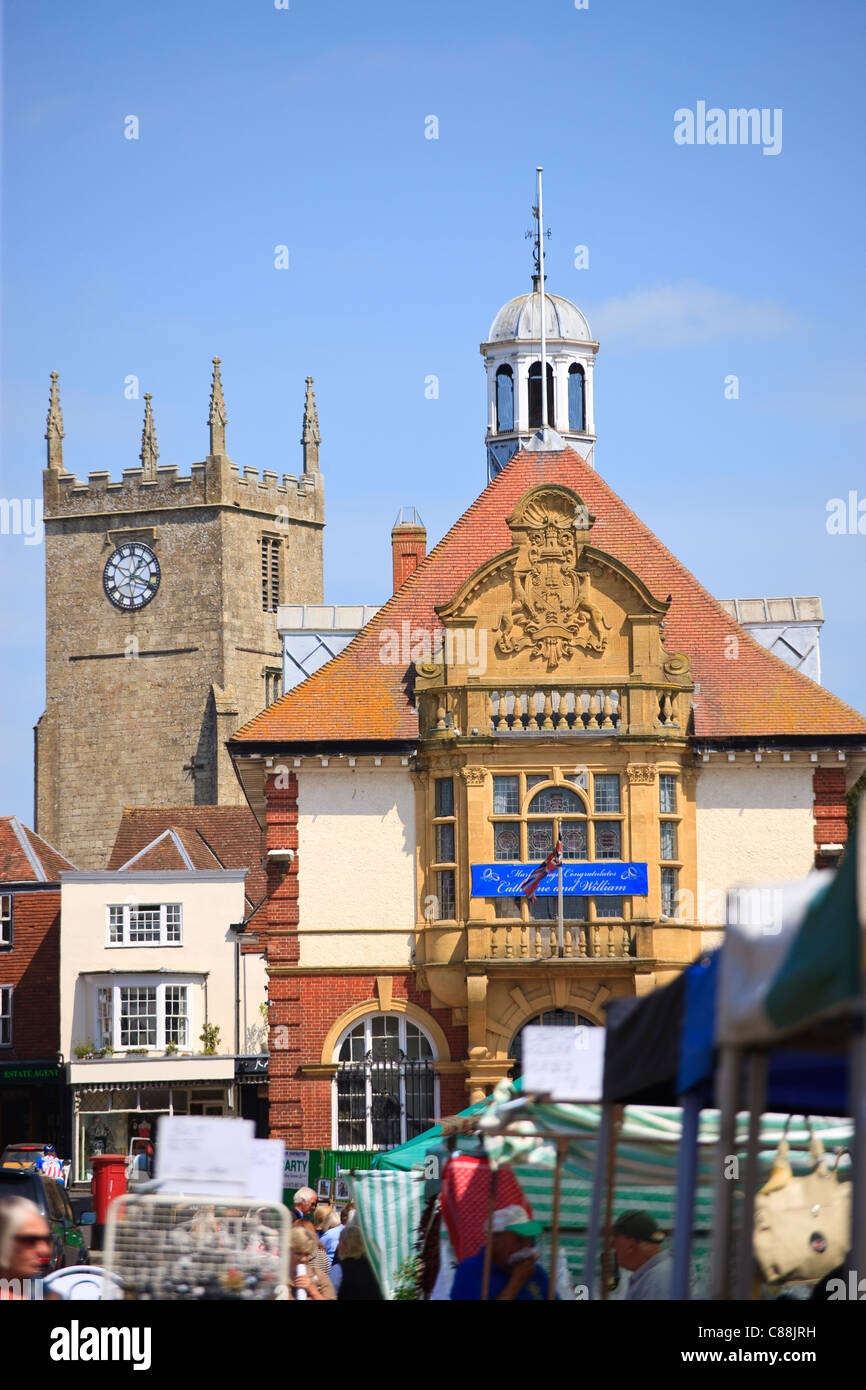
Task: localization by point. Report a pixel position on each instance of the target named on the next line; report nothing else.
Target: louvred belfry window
(270, 573)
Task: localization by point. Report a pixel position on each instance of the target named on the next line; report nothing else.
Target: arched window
(504, 400)
(535, 395)
(553, 1018)
(385, 1087)
(576, 398)
(525, 812)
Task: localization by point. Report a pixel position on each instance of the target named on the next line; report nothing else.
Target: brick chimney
(408, 544)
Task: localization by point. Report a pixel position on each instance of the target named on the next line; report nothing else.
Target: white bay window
(144, 1013)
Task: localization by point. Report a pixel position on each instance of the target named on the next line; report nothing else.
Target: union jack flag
(553, 861)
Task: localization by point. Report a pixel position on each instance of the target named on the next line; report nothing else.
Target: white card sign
(204, 1154)
(266, 1177)
(297, 1169)
(564, 1063)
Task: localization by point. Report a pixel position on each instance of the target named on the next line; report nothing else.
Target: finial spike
(54, 427)
(217, 413)
(311, 438)
(149, 452)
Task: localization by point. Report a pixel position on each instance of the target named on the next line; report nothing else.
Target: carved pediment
(555, 605)
(551, 613)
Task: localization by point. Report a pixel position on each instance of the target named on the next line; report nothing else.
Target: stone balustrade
(509, 710)
(515, 940)
(567, 709)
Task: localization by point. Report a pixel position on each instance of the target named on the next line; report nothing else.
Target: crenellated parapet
(216, 481)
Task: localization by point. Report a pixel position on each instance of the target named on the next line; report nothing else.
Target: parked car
(52, 1199)
(21, 1155)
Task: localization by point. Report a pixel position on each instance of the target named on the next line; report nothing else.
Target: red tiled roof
(213, 837)
(358, 697)
(25, 857)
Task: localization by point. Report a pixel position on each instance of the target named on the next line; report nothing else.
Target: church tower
(161, 623)
(513, 356)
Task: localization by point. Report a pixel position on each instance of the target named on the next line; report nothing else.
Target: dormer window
(576, 398)
(535, 396)
(504, 400)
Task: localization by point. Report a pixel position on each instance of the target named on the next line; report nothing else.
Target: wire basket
(164, 1247)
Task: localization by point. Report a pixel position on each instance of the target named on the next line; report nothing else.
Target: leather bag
(802, 1228)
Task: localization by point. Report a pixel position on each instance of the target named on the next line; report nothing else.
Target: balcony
(511, 711)
(519, 941)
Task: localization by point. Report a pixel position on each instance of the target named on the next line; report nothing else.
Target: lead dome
(519, 320)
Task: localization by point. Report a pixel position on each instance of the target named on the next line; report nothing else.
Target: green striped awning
(389, 1209)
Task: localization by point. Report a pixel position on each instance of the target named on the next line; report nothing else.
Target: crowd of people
(327, 1258)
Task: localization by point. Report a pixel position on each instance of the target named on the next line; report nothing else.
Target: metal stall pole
(488, 1246)
(687, 1173)
(610, 1179)
(554, 1234)
(757, 1099)
(857, 1071)
(592, 1234)
(727, 1087)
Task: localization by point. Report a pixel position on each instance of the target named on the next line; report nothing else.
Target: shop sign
(252, 1068)
(297, 1168)
(29, 1073)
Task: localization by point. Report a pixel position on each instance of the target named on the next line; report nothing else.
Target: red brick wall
(33, 967)
(304, 1008)
(831, 824)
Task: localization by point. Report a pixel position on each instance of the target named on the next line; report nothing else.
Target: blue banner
(583, 880)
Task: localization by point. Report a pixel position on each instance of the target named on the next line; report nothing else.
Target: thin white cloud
(687, 315)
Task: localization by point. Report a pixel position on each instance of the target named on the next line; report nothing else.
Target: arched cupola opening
(576, 398)
(535, 421)
(504, 400)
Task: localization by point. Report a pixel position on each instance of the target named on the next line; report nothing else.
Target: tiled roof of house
(198, 837)
(358, 697)
(25, 857)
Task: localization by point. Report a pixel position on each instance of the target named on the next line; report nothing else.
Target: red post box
(108, 1182)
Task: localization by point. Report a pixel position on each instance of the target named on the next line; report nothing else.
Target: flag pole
(544, 419)
(560, 921)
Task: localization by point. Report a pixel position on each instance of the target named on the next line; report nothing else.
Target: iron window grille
(384, 1094)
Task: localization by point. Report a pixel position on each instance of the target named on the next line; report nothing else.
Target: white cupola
(512, 357)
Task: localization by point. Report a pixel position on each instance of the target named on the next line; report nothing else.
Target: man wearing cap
(637, 1242)
(514, 1273)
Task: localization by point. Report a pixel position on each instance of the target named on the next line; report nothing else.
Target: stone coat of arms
(552, 612)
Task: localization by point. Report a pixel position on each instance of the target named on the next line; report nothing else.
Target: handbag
(802, 1228)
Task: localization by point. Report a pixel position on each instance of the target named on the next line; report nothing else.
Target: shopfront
(32, 1103)
(110, 1119)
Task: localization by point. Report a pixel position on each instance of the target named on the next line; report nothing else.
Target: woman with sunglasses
(25, 1246)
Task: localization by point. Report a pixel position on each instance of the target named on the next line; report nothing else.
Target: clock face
(131, 576)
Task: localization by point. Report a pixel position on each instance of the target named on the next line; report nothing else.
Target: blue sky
(305, 127)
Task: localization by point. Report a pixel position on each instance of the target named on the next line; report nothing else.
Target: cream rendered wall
(211, 902)
(356, 866)
(754, 826)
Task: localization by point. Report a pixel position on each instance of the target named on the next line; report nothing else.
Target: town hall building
(548, 672)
